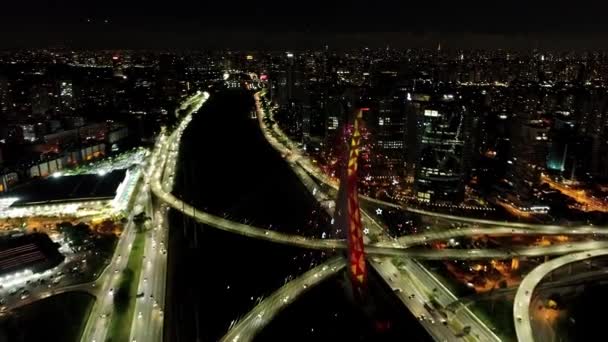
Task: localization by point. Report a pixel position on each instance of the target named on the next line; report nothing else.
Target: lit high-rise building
(4, 95)
(388, 123)
(441, 151)
(66, 96)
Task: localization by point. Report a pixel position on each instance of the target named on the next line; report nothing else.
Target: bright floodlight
(57, 174)
(226, 76)
(102, 172)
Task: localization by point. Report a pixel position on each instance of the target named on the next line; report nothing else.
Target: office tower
(441, 135)
(389, 128)
(66, 96)
(4, 95)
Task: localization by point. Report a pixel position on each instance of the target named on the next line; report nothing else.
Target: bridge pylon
(348, 213)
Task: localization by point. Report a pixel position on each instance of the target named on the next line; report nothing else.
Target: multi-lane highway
(413, 282)
(167, 152)
(147, 325)
(383, 248)
(290, 150)
(153, 277)
(100, 317)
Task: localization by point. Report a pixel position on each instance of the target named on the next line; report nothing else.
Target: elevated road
(411, 282)
(525, 292)
(256, 319)
(159, 184)
(381, 249)
(82, 287)
(417, 239)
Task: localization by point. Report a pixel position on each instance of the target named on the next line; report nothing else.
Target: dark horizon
(264, 40)
(275, 24)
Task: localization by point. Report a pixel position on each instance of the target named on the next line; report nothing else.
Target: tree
(74, 235)
(139, 220)
(122, 296)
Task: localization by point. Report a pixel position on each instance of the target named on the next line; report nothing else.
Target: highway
(168, 148)
(411, 282)
(416, 286)
(148, 322)
(417, 239)
(38, 295)
(383, 248)
(147, 325)
(256, 319)
(99, 319)
(525, 292)
(290, 151)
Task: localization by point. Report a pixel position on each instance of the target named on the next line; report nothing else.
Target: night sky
(271, 23)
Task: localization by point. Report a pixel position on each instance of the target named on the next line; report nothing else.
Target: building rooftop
(35, 252)
(61, 189)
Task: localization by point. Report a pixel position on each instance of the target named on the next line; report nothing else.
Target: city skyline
(303, 171)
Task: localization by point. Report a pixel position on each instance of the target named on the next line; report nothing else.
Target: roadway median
(126, 293)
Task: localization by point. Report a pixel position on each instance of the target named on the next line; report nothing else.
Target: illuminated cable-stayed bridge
(397, 248)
